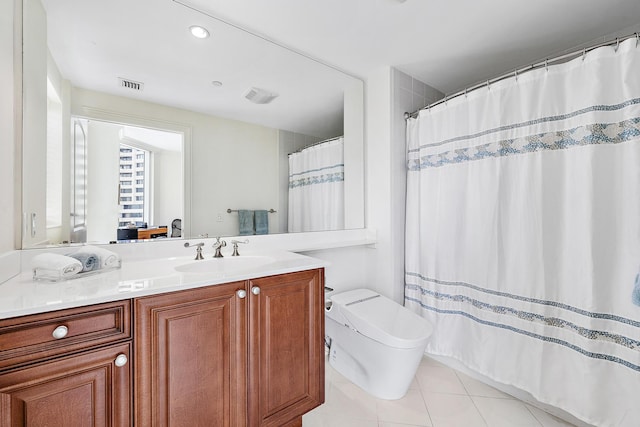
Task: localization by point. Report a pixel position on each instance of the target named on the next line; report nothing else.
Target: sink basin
(226, 266)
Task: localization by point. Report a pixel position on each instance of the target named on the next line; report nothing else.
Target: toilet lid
(380, 318)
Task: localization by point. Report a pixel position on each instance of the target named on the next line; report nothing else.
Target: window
(134, 207)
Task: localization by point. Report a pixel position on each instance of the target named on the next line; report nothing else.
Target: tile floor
(439, 397)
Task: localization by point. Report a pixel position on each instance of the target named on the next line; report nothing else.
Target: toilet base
(382, 371)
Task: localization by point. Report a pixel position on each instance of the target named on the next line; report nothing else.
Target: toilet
(375, 342)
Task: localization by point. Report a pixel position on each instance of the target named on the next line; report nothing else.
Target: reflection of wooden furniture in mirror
(152, 233)
(134, 233)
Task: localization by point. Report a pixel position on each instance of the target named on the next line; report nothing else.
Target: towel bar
(236, 210)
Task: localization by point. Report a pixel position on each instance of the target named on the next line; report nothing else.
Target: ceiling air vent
(259, 96)
(130, 84)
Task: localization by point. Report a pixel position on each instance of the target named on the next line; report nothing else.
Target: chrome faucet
(235, 246)
(218, 245)
(198, 249)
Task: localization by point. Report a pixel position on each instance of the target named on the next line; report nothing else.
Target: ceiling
(449, 45)
(96, 42)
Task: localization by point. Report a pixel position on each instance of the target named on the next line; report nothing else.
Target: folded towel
(245, 219)
(635, 296)
(106, 258)
(89, 262)
(262, 222)
(55, 266)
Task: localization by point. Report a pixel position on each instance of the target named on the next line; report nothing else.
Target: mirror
(117, 67)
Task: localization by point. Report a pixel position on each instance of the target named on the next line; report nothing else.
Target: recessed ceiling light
(199, 32)
(216, 83)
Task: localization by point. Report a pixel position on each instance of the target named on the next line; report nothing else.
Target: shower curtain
(316, 187)
(523, 232)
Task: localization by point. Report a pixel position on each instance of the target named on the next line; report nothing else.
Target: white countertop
(22, 295)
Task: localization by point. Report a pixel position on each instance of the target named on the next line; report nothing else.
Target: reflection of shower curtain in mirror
(316, 187)
(523, 232)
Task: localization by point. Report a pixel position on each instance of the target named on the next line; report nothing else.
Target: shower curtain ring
(546, 64)
(617, 44)
(488, 84)
(584, 54)
(637, 39)
(515, 74)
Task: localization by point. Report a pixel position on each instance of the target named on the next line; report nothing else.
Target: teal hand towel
(246, 223)
(262, 222)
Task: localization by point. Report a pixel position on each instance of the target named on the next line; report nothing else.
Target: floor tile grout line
(486, 423)
(425, 403)
(534, 415)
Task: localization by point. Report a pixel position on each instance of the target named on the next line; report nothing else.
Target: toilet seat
(379, 318)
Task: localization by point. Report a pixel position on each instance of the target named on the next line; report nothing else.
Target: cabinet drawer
(40, 336)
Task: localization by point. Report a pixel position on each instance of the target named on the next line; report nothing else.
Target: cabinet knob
(255, 290)
(241, 293)
(121, 360)
(60, 332)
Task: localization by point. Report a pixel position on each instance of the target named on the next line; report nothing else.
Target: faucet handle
(218, 245)
(198, 249)
(235, 246)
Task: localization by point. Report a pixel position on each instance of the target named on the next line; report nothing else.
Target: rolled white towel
(55, 266)
(106, 258)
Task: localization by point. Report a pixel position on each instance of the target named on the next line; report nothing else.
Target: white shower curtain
(523, 232)
(316, 187)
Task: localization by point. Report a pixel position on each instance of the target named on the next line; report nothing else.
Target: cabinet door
(191, 358)
(89, 389)
(286, 347)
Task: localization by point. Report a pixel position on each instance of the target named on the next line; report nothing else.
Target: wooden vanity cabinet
(79, 378)
(286, 348)
(191, 358)
(239, 354)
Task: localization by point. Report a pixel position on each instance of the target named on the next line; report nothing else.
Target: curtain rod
(316, 143)
(561, 58)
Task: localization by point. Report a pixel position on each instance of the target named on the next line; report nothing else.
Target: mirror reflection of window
(134, 166)
(120, 185)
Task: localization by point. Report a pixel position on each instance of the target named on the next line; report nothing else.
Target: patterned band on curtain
(523, 232)
(316, 187)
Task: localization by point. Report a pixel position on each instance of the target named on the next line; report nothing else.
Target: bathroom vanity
(246, 349)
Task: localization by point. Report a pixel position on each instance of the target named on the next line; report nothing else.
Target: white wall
(35, 113)
(390, 94)
(354, 184)
(229, 164)
(168, 200)
(8, 154)
(103, 176)
(63, 163)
